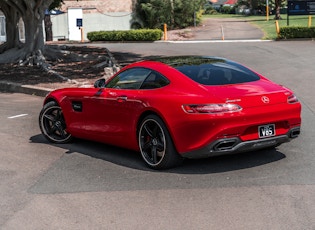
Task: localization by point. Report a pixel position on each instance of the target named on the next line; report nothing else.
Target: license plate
(266, 131)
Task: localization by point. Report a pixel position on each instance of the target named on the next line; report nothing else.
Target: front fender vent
(77, 106)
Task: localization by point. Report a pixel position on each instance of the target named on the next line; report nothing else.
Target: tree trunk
(32, 13)
(277, 7)
(172, 14)
(12, 28)
(48, 28)
(34, 36)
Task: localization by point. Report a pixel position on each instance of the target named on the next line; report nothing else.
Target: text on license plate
(266, 130)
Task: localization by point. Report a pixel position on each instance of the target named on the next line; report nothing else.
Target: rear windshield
(213, 71)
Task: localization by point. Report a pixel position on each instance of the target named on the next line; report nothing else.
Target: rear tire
(52, 124)
(156, 145)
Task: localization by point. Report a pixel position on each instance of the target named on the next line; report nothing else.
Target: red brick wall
(101, 5)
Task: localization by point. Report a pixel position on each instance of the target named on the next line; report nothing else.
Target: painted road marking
(16, 116)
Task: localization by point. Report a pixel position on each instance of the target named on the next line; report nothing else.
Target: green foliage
(208, 9)
(259, 6)
(175, 13)
(153, 13)
(56, 4)
(297, 32)
(126, 35)
(227, 10)
(186, 13)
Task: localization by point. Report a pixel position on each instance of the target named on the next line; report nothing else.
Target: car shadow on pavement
(226, 163)
(132, 159)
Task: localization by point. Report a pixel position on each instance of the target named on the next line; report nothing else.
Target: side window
(154, 80)
(129, 79)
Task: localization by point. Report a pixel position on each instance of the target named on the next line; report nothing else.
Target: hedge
(296, 32)
(126, 35)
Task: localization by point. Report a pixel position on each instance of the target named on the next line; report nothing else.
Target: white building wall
(92, 22)
(60, 26)
(112, 21)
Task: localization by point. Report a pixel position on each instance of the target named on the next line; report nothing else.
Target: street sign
(302, 7)
(79, 22)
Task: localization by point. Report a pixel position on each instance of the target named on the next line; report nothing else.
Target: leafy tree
(175, 13)
(154, 13)
(186, 12)
(56, 4)
(278, 5)
(260, 5)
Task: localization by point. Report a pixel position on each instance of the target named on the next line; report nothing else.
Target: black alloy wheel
(52, 124)
(156, 146)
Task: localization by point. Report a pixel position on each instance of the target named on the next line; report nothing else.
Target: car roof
(205, 70)
(177, 61)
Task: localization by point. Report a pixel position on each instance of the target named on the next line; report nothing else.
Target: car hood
(251, 94)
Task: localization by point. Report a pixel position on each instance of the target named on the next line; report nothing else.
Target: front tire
(52, 124)
(155, 143)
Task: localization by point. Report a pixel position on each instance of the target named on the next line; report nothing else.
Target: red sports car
(173, 108)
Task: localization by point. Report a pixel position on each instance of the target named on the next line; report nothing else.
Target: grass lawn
(269, 27)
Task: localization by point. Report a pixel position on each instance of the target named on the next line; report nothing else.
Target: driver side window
(129, 79)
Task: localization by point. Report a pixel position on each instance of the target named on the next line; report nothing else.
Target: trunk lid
(251, 94)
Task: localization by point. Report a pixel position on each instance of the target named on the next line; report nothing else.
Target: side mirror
(100, 83)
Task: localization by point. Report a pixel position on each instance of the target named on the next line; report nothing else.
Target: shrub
(227, 10)
(212, 12)
(208, 9)
(297, 32)
(126, 35)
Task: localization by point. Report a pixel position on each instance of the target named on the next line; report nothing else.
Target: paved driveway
(220, 29)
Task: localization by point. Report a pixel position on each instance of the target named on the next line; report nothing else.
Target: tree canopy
(260, 6)
(175, 13)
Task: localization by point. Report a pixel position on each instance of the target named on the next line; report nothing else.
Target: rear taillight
(292, 99)
(212, 108)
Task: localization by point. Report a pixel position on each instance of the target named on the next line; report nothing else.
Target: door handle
(122, 98)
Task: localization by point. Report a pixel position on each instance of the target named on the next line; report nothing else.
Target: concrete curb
(10, 87)
(217, 41)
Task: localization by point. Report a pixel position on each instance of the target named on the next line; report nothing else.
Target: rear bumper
(235, 145)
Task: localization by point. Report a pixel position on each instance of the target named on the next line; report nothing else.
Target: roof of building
(108, 6)
(223, 2)
(230, 2)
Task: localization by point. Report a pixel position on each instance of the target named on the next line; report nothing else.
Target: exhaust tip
(295, 132)
(224, 145)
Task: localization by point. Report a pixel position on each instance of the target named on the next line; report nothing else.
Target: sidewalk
(10, 87)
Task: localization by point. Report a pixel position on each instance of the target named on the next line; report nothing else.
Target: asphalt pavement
(86, 185)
